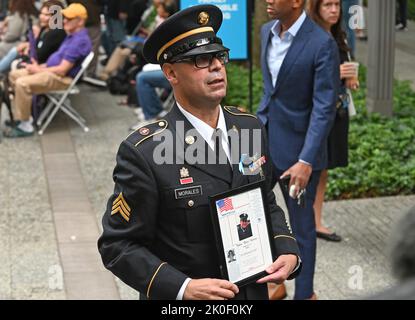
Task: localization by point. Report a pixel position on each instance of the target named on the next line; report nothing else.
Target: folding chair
(58, 100)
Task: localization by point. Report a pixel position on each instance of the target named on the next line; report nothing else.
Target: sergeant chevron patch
(120, 206)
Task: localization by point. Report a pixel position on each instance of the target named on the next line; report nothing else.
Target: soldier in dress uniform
(244, 227)
(157, 231)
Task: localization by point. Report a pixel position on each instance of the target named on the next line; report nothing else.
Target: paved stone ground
(365, 226)
(34, 248)
(28, 247)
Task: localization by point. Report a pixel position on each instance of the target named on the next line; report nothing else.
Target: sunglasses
(204, 60)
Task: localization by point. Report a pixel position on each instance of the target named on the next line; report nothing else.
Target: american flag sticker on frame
(224, 205)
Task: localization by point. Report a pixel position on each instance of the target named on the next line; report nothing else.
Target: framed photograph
(244, 237)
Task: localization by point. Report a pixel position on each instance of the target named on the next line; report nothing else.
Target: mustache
(215, 77)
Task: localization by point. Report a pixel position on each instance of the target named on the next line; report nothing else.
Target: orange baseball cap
(75, 10)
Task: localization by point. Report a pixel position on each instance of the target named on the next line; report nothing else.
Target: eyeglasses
(69, 19)
(204, 60)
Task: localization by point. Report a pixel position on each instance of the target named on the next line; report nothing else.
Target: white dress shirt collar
(279, 47)
(293, 30)
(206, 131)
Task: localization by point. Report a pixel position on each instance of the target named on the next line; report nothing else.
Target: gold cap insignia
(120, 206)
(190, 140)
(184, 172)
(203, 18)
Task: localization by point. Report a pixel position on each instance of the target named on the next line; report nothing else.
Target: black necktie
(221, 157)
(222, 161)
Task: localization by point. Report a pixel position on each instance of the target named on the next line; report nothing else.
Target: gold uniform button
(191, 203)
(190, 140)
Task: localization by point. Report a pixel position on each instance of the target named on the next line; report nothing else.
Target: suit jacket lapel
(218, 171)
(266, 42)
(299, 42)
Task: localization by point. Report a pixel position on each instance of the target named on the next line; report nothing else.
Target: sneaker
(95, 81)
(400, 27)
(17, 133)
(139, 113)
(9, 123)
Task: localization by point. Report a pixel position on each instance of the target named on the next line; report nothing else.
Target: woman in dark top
(47, 40)
(327, 14)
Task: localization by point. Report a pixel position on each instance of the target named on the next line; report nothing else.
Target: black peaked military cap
(188, 32)
(243, 217)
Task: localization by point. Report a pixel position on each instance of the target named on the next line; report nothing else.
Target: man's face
(199, 86)
(244, 224)
(280, 9)
(71, 25)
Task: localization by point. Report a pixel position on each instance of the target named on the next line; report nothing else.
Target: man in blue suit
(300, 66)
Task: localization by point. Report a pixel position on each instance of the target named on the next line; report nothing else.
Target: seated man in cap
(55, 74)
(244, 227)
(157, 231)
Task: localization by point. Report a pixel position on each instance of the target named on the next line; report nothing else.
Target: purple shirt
(74, 49)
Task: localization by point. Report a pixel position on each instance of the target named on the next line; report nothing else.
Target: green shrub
(411, 9)
(381, 150)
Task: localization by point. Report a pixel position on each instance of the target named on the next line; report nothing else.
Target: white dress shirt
(207, 132)
(278, 48)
